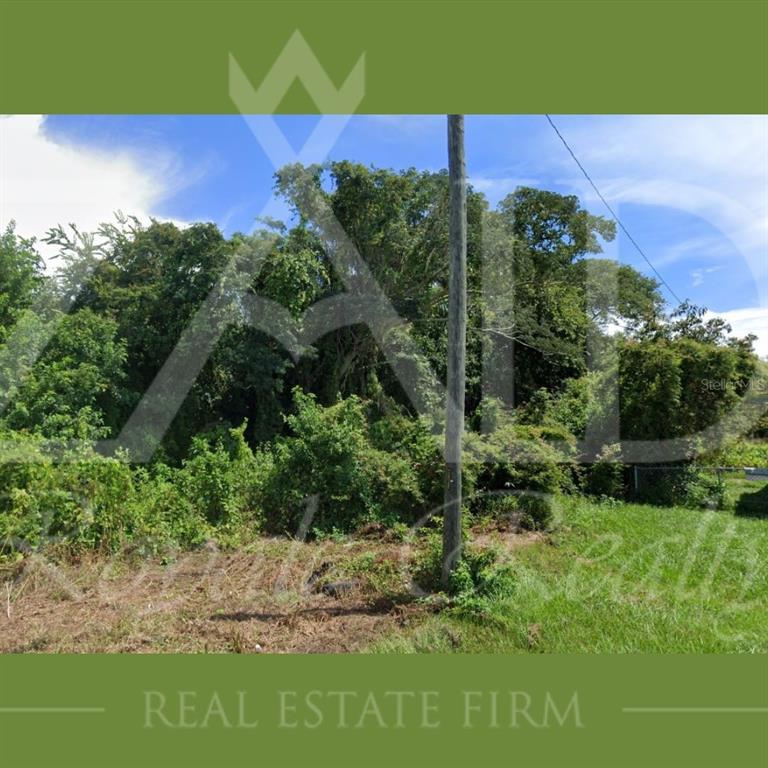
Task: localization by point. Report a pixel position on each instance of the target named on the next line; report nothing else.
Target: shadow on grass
(753, 504)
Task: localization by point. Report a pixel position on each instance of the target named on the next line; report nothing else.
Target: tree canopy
(542, 300)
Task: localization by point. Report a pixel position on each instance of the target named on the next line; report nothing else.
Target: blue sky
(692, 190)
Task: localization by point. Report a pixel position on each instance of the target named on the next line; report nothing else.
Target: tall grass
(618, 578)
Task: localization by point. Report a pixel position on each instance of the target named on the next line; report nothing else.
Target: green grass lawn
(746, 495)
(617, 578)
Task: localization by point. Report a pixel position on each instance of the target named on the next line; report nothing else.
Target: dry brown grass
(263, 599)
(267, 598)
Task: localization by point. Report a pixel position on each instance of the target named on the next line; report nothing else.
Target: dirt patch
(263, 600)
(506, 542)
(279, 596)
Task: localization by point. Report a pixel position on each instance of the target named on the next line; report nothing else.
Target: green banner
(660, 711)
(420, 57)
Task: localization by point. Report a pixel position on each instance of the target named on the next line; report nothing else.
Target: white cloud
(497, 187)
(708, 247)
(711, 166)
(748, 320)
(699, 275)
(44, 183)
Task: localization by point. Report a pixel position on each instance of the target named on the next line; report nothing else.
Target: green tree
(69, 390)
(20, 278)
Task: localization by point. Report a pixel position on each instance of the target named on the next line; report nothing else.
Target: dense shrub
(537, 511)
(518, 510)
(84, 501)
(760, 428)
(521, 458)
(329, 456)
(102, 503)
(399, 434)
(685, 485)
(165, 516)
(223, 477)
(478, 575)
(215, 494)
(605, 477)
(740, 453)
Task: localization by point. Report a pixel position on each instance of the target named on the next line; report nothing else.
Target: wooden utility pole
(457, 342)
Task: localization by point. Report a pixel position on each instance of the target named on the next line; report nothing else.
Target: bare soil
(269, 599)
(276, 596)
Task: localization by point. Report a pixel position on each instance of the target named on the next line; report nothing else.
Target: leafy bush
(760, 429)
(685, 485)
(329, 456)
(519, 510)
(740, 453)
(535, 459)
(537, 511)
(165, 516)
(410, 438)
(605, 477)
(223, 478)
(91, 507)
(92, 502)
(478, 574)
(215, 494)
(82, 501)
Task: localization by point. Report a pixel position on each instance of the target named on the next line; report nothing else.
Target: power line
(613, 213)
